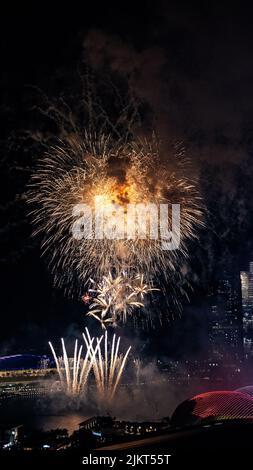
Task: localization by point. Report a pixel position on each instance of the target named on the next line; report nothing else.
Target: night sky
(191, 66)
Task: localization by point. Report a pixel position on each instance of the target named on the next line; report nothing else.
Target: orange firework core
(121, 194)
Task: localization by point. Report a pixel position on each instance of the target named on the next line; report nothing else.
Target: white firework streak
(73, 374)
(108, 365)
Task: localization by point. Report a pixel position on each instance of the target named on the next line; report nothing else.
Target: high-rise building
(244, 276)
(250, 284)
(225, 322)
(247, 310)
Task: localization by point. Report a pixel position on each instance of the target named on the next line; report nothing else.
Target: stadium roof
(21, 361)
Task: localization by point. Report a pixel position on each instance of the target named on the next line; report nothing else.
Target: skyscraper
(244, 276)
(250, 284)
(225, 322)
(247, 310)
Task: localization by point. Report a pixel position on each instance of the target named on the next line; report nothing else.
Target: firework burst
(95, 170)
(117, 298)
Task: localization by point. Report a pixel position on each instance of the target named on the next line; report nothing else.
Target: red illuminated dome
(214, 406)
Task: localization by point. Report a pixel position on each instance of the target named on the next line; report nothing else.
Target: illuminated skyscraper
(247, 310)
(244, 276)
(225, 322)
(250, 284)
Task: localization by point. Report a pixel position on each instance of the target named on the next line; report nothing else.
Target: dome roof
(214, 406)
(248, 390)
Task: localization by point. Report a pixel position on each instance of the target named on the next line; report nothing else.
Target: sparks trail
(108, 364)
(74, 373)
(105, 362)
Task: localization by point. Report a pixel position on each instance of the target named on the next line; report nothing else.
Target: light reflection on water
(28, 413)
(69, 422)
